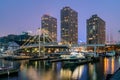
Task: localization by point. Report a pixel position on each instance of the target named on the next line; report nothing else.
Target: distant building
(69, 25)
(96, 30)
(49, 23)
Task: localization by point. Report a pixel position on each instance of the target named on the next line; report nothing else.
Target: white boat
(73, 55)
(110, 53)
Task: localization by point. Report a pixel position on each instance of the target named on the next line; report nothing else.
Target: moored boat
(110, 54)
(73, 55)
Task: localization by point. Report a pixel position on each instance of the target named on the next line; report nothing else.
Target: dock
(9, 72)
(75, 59)
(31, 58)
(17, 57)
(42, 58)
(61, 60)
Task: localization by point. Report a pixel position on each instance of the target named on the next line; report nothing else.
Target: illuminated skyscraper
(49, 23)
(95, 30)
(69, 25)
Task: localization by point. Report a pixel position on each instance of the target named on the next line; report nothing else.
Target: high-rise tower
(96, 30)
(49, 23)
(69, 25)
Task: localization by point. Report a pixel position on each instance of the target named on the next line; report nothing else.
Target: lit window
(95, 18)
(89, 23)
(94, 27)
(46, 18)
(90, 38)
(93, 22)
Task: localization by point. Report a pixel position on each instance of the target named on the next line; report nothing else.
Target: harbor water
(45, 70)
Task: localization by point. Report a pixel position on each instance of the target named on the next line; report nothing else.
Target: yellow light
(113, 62)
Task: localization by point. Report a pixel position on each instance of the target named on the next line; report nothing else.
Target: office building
(69, 25)
(96, 30)
(49, 23)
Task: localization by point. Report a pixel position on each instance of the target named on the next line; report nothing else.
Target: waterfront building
(69, 25)
(95, 30)
(49, 23)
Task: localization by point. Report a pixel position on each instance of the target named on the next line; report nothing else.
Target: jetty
(42, 58)
(17, 57)
(78, 60)
(8, 71)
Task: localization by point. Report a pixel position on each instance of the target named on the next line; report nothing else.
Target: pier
(9, 72)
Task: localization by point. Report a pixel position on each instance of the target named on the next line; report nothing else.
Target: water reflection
(112, 65)
(36, 71)
(45, 70)
(106, 64)
(66, 74)
(92, 71)
(77, 73)
(109, 65)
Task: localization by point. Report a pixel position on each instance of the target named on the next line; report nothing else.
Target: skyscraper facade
(49, 23)
(69, 25)
(96, 30)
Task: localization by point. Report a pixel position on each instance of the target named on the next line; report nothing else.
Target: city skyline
(18, 16)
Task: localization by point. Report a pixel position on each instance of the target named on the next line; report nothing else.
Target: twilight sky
(25, 15)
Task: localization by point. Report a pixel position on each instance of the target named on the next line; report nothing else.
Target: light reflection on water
(44, 70)
(77, 73)
(109, 65)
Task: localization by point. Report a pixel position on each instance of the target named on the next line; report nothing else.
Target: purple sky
(25, 15)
